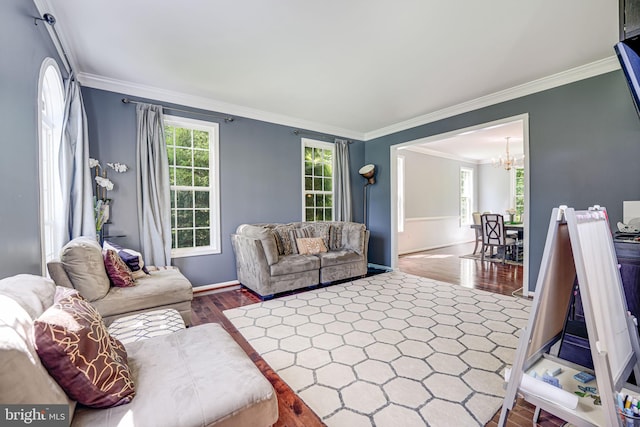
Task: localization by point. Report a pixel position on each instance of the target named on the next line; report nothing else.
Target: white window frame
(469, 219)
(324, 146)
(401, 195)
(214, 185)
(50, 106)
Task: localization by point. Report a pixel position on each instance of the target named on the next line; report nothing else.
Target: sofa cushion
(283, 238)
(335, 235)
(162, 286)
(341, 256)
(23, 378)
(310, 245)
(75, 347)
(207, 379)
(295, 264)
(83, 262)
(266, 236)
(296, 233)
(34, 293)
(118, 271)
(353, 236)
(321, 229)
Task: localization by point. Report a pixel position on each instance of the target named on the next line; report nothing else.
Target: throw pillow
(119, 273)
(335, 235)
(299, 233)
(82, 261)
(132, 258)
(75, 347)
(283, 240)
(311, 245)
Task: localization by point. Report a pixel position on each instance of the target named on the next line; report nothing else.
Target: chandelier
(508, 161)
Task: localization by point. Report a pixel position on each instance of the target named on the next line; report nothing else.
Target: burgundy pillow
(118, 271)
(75, 347)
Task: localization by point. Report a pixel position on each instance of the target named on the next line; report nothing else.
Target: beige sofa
(265, 266)
(197, 376)
(81, 266)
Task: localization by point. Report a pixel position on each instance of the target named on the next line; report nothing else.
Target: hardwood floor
(440, 264)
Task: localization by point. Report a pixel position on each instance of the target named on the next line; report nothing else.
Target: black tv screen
(627, 52)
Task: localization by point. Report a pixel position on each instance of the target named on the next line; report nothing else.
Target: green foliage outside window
(318, 184)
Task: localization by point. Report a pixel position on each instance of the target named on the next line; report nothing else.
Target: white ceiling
(479, 145)
(354, 68)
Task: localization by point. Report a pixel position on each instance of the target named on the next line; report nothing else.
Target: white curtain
(154, 203)
(342, 182)
(75, 176)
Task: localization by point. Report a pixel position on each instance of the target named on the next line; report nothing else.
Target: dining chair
(493, 235)
(477, 221)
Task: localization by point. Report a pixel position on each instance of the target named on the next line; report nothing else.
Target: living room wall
(584, 146)
(24, 46)
(260, 176)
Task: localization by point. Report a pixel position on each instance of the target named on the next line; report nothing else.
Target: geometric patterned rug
(390, 350)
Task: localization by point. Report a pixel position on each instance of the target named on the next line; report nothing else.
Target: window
(466, 196)
(400, 194)
(518, 191)
(50, 112)
(192, 148)
(317, 162)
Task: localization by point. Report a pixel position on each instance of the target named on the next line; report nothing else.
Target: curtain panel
(154, 204)
(73, 158)
(342, 182)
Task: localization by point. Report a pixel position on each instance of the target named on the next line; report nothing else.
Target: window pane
(308, 215)
(172, 177)
(174, 241)
(328, 200)
(202, 218)
(185, 219)
(183, 177)
(308, 183)
(185, 199)
(317, 170)
(308, 168)
(327, 184)
(201, 177)
(200, 159)
(319, 200)
(203, 237)
(183, 157)
(202, 199)
(308, 200)
(308, 153)
(183, 137)
(317, 184)
(327, 214)
(173, 218)
(171, 154)
(185, 239)
(168, 134)
(201, 139)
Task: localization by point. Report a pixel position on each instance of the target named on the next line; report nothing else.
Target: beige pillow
(34, 293)
(310, 245)
(82, 260)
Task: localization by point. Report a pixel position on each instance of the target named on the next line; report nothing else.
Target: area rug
(490, 259)
(390, 350)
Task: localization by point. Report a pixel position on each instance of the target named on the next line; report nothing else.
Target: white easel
(578, 242)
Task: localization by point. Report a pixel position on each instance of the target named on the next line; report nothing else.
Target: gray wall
(260, 177)
(23, 46)
(584, 146)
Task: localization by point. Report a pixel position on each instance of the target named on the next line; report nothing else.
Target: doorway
(477, 147)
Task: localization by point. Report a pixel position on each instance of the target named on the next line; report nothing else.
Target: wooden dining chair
(493, 235)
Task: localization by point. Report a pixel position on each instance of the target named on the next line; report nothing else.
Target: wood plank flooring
(440, 264)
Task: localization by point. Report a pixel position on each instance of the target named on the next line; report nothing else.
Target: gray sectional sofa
(198, 376)
(81, 267)
(268, 262)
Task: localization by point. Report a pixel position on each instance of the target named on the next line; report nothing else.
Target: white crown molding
(163, 95)
(565, 77)
(434, 153)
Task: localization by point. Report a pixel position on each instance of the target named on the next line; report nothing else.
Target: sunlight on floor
(435, 256)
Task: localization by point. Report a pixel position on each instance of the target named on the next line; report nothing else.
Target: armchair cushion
(82, 261)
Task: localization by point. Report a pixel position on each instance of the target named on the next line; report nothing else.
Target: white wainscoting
(432, 232)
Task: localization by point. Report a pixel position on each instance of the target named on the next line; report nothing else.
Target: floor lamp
(368, 172)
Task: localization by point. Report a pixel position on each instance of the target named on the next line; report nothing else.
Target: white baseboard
(215, 288)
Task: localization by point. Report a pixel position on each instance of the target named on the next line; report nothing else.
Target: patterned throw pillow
(119, 273)
(299, 233)
(311, 245)
(335, 235)
(75, 347)
(132, 258)
(283, 240)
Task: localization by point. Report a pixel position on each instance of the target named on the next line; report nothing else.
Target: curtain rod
(51, 20)
(322, 135)
(227, 119)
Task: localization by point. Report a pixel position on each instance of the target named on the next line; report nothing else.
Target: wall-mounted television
(629, 58)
